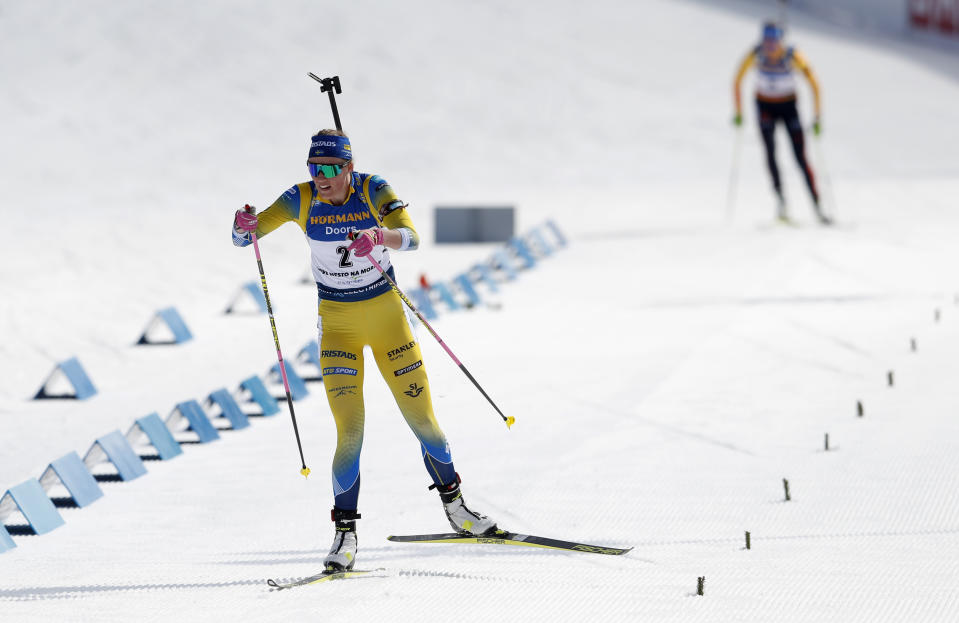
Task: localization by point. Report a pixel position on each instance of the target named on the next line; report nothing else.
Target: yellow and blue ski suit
(357, 308)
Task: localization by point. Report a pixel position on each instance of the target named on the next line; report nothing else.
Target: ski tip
(509, 421)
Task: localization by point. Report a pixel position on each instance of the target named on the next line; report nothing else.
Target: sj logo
(414, 390)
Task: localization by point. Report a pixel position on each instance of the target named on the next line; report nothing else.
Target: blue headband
(330, 146)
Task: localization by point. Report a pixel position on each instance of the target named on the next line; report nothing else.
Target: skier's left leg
(400, 361)
(799, 149)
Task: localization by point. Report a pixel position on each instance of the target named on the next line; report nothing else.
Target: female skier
(357, 308)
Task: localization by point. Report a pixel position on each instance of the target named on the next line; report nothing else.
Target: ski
(324, 576)
(503, 537)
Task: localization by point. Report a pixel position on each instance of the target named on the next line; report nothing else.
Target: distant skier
(775, 100)
(358, 308)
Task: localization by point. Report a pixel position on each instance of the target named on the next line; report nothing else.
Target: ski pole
(328, 85)
(824, 176)
(279, 354)
(509, 420)
(733, 176)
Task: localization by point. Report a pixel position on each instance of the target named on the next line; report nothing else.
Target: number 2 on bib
(344, 257)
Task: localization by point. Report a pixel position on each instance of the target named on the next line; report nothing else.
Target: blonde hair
(329, 132)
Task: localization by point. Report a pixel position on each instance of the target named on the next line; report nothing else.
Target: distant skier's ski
(325, 576)
(510, 538)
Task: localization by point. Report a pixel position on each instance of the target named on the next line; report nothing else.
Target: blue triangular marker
(464, 283)
(521, 249)
(171, 317)
(74, 373)
(421, 299)
(298, 388)
(160, 436)
(252, 290)
(560, 238)
(199, 423)
(445, 295)
(257, 293)
(311, 354)
(502, 261)
(75, 477)
(486, 274)
(261, 395)
(540, 241)
(229, 408)
(119, 452)
(36, 507)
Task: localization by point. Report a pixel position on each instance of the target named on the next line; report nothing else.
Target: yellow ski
(325, 576)
(502, 537)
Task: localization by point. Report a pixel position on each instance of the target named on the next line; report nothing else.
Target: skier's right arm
(285, 208)
(744, 66)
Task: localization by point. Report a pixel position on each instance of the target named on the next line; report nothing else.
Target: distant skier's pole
(329, 85)
(279, 355)
(509, 420)
(826, 181)
(733, 176)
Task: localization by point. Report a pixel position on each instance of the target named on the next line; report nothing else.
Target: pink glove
(245, 221)
(365, 240)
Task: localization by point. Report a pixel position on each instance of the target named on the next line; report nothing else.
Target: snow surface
(667, 370)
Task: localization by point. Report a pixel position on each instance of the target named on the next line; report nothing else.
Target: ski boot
(823, 219)
(343, 552)
(461, 518)
(781, 214)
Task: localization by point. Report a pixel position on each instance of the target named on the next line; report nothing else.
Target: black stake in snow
(859, 410)
(700, 585)
(786, 487)
(889, 377)
(937, 314)
(329, 85)
(748, 544)
(912, 344)
(827, 442)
